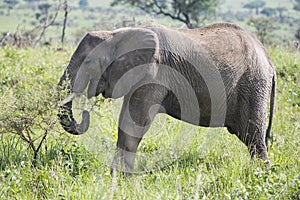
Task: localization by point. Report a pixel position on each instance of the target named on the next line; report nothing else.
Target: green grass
(214, 164)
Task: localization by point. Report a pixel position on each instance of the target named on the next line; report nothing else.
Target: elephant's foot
(259, 151)
(123, 162)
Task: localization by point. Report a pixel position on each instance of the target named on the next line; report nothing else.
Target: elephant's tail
(272, 101)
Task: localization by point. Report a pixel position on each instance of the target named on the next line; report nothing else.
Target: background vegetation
(24, 16)
(38, 160)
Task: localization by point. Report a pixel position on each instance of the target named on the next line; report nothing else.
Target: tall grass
(215, 164)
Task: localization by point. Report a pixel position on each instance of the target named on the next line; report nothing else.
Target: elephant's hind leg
(255, 140)
(250, 121)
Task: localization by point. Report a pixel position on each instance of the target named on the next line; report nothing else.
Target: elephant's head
(99, 65)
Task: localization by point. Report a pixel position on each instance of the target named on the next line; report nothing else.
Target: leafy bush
(28, 100)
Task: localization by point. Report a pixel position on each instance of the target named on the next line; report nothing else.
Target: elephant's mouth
(106, 94)
(102, 87)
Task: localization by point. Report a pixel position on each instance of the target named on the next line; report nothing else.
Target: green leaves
(28, 97)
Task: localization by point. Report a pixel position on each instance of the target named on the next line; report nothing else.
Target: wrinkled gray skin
(216, 76)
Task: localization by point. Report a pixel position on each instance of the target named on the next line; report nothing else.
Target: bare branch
(161, 11)
(66, 10)
(46, 25)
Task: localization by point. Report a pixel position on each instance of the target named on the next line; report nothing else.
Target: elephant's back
(232, 48)
(226, 46)
(225, 43)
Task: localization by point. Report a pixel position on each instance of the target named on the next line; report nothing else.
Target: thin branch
(161, 11)
(66, 7)
(8, 34)
(41, 142)
(187, 18)
(31, 142)
(45, 26)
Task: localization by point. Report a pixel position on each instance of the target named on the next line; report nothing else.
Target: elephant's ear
(83, 53)
(134, 53)
(136, 40)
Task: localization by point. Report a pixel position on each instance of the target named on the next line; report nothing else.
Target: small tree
(269, 12)
(30, 115)
(189, 12)
(255, 5)
(10, 5)
(297, 5)
(281, 10)
(263, 26)
(83, 3)
(45, 18)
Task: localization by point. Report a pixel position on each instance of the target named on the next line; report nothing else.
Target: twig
(65, 21)
(45, 26)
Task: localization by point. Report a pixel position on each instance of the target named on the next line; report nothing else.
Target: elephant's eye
(87, 61)
(138, 58)
(122, 58)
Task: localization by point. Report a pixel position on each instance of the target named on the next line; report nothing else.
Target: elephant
(219, 75)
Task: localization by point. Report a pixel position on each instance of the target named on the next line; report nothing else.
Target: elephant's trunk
(67, 82)
(65, 113)
(69, 123)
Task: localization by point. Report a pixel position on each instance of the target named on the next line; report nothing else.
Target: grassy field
(207, 164)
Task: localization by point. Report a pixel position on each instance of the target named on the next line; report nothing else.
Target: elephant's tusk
(69, 98)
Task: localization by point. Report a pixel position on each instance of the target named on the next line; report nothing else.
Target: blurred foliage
(10, 4)
(101, 16)
(269, 12)
(257, 4)
(297, 34)
(263, 28)
(83, 3)
(297, 5)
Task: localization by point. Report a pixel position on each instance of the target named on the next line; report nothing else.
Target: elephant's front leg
(137, 114)
(126, 152)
